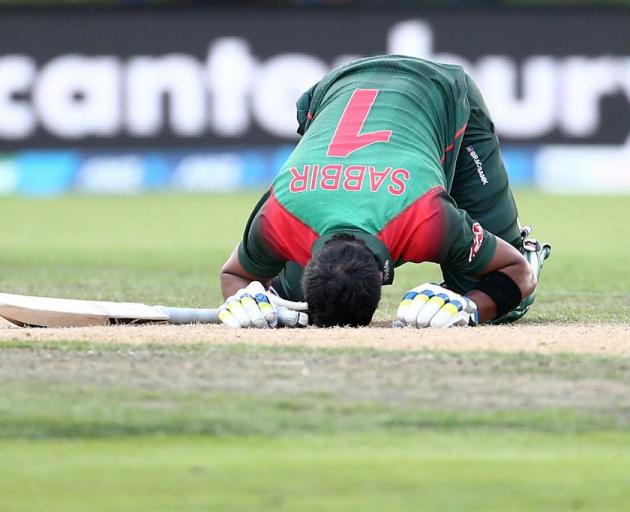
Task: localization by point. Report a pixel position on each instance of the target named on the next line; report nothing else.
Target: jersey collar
(373, 244)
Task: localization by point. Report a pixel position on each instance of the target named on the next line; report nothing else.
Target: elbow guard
(502, 289)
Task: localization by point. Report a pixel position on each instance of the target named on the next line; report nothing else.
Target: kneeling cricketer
(399, 163)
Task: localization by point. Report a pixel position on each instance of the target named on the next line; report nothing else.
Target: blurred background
(126, 97)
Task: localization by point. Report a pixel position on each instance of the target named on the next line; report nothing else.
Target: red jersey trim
(450, 147)
(289, 237)
(416, 233)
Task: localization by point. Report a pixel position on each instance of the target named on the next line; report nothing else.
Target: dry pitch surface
(596, 339)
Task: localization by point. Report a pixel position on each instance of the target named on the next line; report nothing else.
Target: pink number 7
(347, 138)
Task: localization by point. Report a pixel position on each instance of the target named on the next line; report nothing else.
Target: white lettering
(413, 38)
(557, 93)
(111, 175)
(75, 96)
(17, 73)
(78, 96)
(531, 114)
(177, 78)
(585, 82)
(204, 173)
(230, 73)
(281, 80)
(482, 175)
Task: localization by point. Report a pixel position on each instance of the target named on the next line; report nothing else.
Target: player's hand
(430, 305)
(291, 318)
(290, 313)
(249, 307)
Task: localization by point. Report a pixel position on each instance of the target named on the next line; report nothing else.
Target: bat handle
(190, 315)
(179, 316)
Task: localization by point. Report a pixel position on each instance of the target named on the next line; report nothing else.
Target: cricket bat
(30, 311)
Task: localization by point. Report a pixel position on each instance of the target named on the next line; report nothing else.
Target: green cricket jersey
(381, 138)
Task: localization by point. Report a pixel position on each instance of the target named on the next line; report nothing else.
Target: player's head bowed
(342, 283)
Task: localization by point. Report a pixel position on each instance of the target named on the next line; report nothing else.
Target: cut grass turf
(220, 428)
(451, 471)
(170, 249)
(271, 391)
(91, 437)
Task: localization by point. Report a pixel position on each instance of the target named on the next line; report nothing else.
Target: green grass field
(196, 427)
(170, 248)
(430, 471)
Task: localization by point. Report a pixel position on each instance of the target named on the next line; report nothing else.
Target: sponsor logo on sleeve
(386, 271)
(482, 175)
(477, 241)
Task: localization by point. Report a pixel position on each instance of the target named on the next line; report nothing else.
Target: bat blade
(24, 310)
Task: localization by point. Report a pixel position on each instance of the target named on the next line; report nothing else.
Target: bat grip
(179, 316)
(190, 315)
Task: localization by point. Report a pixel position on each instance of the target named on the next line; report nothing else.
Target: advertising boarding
(128, 101)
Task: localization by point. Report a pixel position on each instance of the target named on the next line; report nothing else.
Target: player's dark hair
(342, 283)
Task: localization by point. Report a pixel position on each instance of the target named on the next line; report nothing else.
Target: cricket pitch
(595, 338)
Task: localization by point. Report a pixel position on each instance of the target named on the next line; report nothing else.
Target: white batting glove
(249, 307)
(430, 305)
(291, 318)
(290, 313)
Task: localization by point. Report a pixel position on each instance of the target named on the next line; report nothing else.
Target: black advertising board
(191, 77)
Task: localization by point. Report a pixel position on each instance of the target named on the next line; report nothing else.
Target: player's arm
(245, 279)
(503, 283)
(501, 275)
(234, 277)
(253, 259)
(482, 189)
(249, 303)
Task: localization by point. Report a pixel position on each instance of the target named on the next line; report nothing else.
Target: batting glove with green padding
(431, 305)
